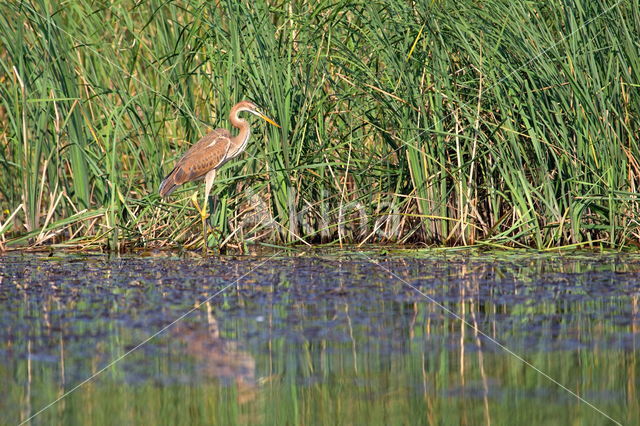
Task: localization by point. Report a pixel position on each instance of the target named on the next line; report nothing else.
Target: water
(342, 338)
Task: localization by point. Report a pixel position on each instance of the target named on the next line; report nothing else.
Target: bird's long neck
(239, 141)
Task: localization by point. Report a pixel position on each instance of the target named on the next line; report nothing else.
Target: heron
(211, 152)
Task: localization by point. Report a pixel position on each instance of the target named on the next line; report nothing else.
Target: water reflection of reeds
(318, 339)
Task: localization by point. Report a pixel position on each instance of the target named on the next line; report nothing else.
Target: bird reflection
(217, 357)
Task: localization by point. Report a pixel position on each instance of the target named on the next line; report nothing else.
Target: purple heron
(207, 155)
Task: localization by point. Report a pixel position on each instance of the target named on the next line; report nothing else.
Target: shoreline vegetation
(446, 123)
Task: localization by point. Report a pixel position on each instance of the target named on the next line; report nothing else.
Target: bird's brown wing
(205, 155)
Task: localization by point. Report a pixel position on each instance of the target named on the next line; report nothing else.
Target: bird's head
(255, 110)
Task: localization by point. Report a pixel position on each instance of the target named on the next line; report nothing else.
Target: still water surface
(320, 339)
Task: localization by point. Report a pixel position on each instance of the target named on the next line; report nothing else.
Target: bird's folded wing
(205, 155)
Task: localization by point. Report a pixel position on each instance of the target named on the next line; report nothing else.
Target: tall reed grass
(498, 123)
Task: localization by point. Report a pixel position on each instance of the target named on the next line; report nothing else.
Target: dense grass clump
(449, 122)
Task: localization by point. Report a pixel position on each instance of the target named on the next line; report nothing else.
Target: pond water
(321, 338)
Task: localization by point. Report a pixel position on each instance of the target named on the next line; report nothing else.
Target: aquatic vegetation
(447, 122)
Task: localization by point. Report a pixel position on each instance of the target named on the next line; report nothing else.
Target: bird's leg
(203, 216)
(208, 184)
(194, 201)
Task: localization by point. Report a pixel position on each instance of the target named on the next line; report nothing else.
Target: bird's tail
(168, 185)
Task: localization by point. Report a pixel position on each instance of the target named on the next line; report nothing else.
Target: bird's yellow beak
(267, 119)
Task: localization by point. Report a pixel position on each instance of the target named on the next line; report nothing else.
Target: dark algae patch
(326, 338)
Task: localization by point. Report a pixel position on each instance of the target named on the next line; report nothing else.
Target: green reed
(438, 122)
